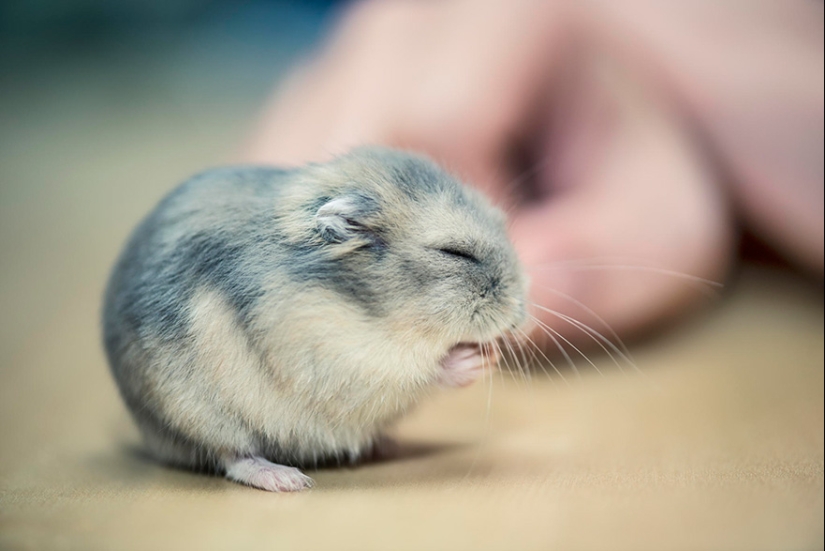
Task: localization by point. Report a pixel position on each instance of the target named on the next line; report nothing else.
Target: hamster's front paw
(263, 474)
(463, 364)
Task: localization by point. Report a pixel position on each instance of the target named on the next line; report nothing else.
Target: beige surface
(719, 445)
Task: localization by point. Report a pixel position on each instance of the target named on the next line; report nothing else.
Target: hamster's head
(411, 246)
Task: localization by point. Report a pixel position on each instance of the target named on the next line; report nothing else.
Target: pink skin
(265, 475)
(463, 364)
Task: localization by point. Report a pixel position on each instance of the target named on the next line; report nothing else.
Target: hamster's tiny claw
(265, 475)
(463, 364)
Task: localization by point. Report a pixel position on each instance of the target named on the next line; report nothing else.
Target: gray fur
(293, 314)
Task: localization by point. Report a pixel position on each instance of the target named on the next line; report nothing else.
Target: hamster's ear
(344, 217)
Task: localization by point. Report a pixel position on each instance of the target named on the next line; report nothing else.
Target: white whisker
(524, 360)
(522, 343)
(548, 360)
(595, 315)
(595, 335)
(512, 354)
(701, 284)
(487, 418)
(570, 344)
(552, 334)
(511, 360)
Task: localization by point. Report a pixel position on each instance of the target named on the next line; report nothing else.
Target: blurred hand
(620, 137)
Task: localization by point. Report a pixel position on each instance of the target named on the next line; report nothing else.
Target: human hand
(609, 194)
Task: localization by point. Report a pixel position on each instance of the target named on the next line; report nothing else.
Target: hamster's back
(215, 229)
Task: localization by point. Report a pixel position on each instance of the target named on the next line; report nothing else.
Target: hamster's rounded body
(261, 319)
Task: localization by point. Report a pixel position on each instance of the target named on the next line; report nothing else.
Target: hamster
(261, 320)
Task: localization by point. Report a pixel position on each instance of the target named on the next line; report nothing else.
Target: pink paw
(463, 364)
(263, 474)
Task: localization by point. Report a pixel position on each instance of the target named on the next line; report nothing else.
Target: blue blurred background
(104, 107)
(43, 25)
(238, 47)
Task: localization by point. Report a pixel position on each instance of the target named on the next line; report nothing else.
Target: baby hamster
(264, 319)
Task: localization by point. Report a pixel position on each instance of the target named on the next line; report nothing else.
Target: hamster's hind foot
(263, 474)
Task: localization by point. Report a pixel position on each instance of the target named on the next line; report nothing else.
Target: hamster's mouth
(465, 362)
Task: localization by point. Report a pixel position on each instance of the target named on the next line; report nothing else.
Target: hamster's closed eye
(455, 251)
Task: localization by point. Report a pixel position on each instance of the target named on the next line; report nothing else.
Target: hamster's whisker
(708, 287)
(553, 334)
(593, 334)
(503, 358)
(531, 347)
(489, 406)
(521, 359)
(486, 364)
(512, 354)
(573, 346)
(546, 359)
(598, 318)
(487, 414)
(531, 360)
(525, 348)
(525, 361)
(599, 338)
